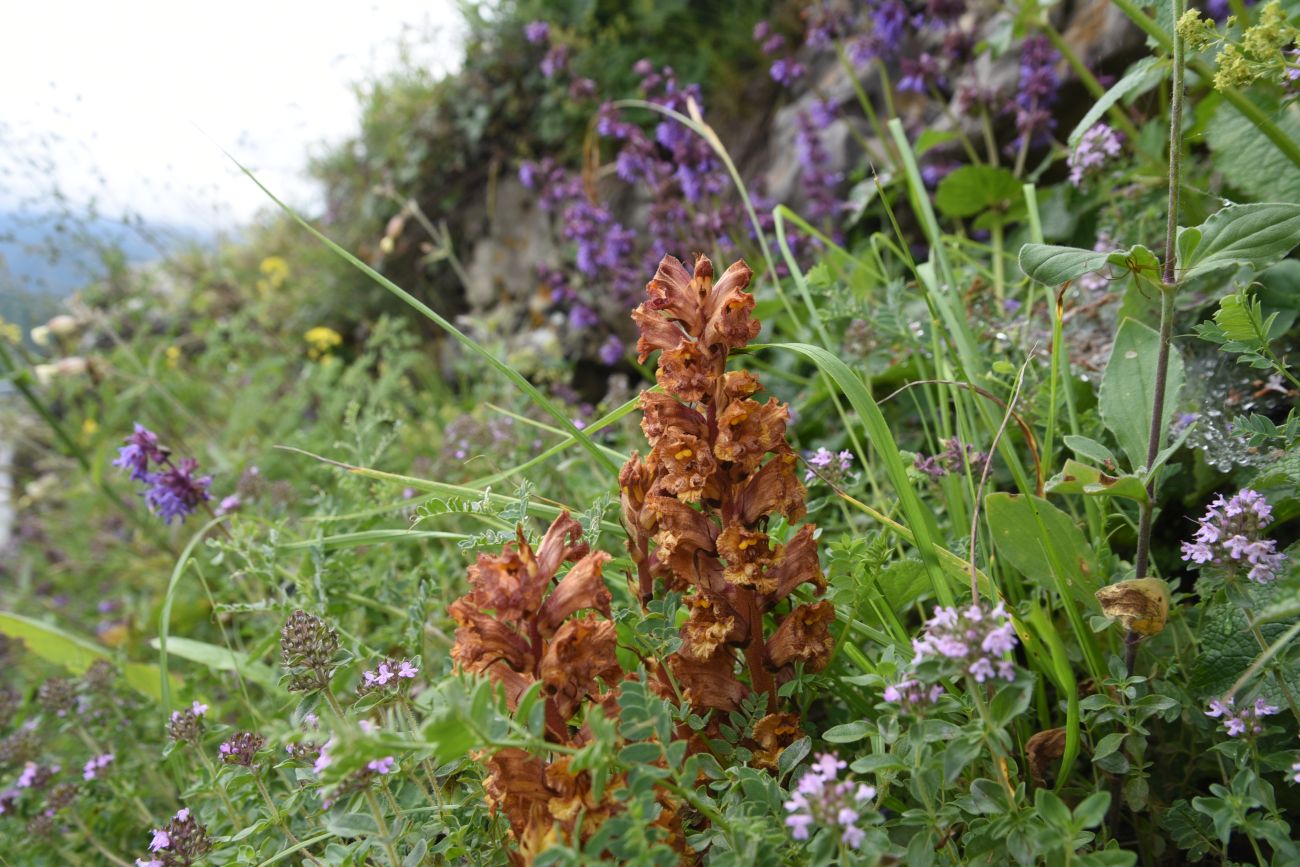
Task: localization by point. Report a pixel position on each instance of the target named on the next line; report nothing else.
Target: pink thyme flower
(161, 840)
(973, 641)
(96, 764)
(1241, 722)
(382, 766)
(1229, 536)
(822, 800)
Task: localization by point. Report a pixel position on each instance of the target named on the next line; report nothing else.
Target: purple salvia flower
(537, 32)
(787, 71)
(555, 61)
(176, 491)
(140, 450)
(611, 351)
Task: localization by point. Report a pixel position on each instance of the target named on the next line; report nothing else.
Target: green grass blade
(919, 519)
(463, 339)
(165, 616)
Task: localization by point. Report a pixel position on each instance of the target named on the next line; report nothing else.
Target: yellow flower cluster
(321, 340)
(1259, 54)
(275, 271)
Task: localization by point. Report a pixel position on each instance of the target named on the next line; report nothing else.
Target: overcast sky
(129, 101)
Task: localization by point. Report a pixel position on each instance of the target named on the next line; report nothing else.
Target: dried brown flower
(697, 508)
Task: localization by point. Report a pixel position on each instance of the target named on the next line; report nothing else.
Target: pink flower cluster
(822, 800)
(1241, 722)
(977, 640)
(1229, 536)
(911, 695)
(389, 674)
(1096, 145)
(96, 764)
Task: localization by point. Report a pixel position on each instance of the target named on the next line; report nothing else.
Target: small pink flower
(161, 840)
(382, 766)
(407, 669)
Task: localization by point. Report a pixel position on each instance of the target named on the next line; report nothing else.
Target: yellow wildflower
(275, 271)
(173, 354)
(322, 339)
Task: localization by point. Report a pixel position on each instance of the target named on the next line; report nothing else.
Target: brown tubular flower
(510, 629)
(519, 625)
(698, 508)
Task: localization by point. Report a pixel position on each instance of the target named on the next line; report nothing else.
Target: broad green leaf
(1141, 77)
(1011, 700)
(1024, 528)
(1092, 810)
(847, 733)
(1127, 394)
(76, 654)
(1248, 160)
(1190, 830)
(1254, 236)
(1051, 808)
(1054, 265)
(1227, 646)
(1086, 447)
(221, 659)
(1079, 478)
(971, 189)
(932, 138)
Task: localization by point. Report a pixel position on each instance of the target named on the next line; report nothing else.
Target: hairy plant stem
(393, 858)
(217, 787)
(1168, 288)
(432, 793)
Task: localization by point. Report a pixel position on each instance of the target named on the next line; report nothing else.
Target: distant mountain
(54, 256)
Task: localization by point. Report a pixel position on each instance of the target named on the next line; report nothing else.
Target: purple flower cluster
(1097, 144)
(1036, 92)
(819, 185)
(912, 696)
(785, 70)
(821, 800)
(388, 675)
(824, 464)
(241, 749)
(1229, 536)
(175, 490)
(95, 765)
(182, 842)
(382, 766)
(955, 458)
(976, 640)
(1241, 722)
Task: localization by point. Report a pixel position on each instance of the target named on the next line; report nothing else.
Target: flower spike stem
(1168, 288)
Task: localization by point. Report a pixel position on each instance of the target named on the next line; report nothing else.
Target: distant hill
(54, 256)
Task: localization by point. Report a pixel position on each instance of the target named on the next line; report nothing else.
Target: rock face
(503, 294)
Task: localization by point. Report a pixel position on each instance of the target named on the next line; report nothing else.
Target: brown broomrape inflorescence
(698, 508)
(513, 630)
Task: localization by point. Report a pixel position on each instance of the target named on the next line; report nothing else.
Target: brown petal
(482, 640)
(740, 384)
(1141, 604)
(708, 628)
(728, 308)
(1042, 749)
(633, 485)
(687, 371)
(748, 430)
(516, 785)
(583, 587)
(682, 464)
(772, 734)
(796, 563)
(562, 543)
(804, 635)
(581, 652)
(507, 583)
(656, 332)
(663, 411)
(711, 682)
(773, 489)
(676, 294)
(686, 542)
(746, 554)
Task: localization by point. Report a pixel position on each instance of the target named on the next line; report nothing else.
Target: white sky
(128, 101)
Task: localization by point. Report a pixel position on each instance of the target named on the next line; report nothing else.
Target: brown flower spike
(697, 509)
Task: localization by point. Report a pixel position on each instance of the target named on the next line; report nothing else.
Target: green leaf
(1128, 389)
(640, 754)
(960, 753)
(847, 733)
(1086, 447)
(350, 825)
(1077, 478)
(1092, 810)
(1054, 265)
(1052, 809)
(1248, 160)
(1011, 700)
(971, 189)
(221, 659)
(1227, 646)
(1141, 77)
(76, 654)
(1254, 236)
(1024, 528)
(1190, 830)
